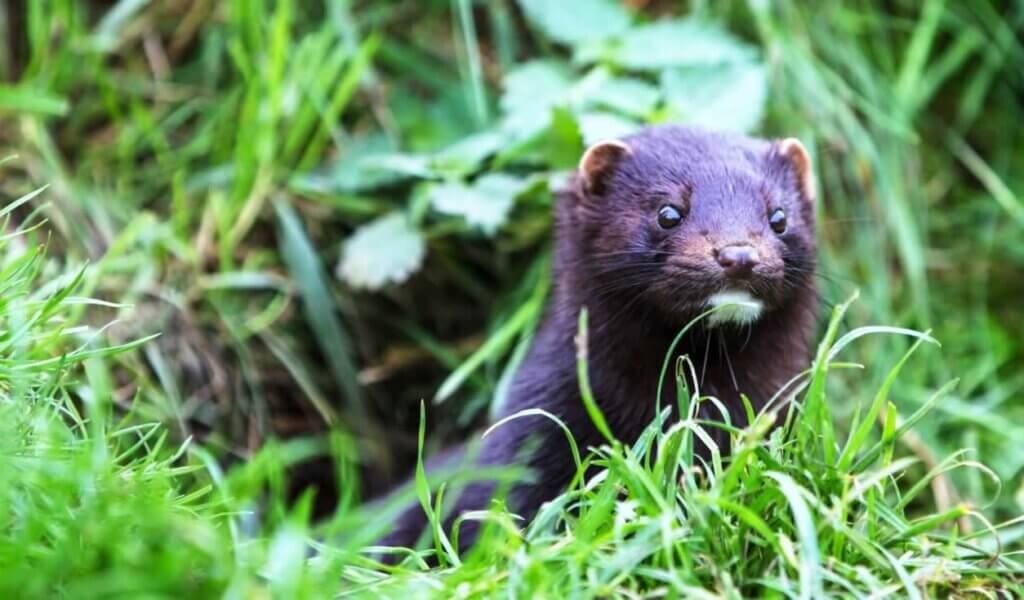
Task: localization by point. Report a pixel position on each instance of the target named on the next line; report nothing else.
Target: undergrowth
(98, 505)
(330, 211)
(795, 511)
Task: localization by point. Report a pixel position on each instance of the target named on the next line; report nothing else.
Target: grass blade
(319, 305)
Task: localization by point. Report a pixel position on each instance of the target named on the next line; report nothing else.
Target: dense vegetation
(330, 211)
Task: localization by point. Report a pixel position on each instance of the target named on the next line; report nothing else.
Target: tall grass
(216, 163)
(99, 505)
(794, 512)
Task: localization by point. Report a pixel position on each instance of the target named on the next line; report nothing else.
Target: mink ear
(598, 164)
(796, 156)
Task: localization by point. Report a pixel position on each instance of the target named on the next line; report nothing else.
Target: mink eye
(669, 216)
(778, 220)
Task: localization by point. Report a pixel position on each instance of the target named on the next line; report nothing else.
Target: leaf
(538, 82)
(403, 164)
(577, 21)
(465, 156)
(597, 126)
(563, 145)
(484, 204)
(540, 412)
(668, 44)
(384, 251)
(531, 91)
(6, 210)
(628, 95)
(366, 164)
(728, 97)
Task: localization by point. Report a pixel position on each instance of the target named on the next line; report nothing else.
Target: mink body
(641, 283)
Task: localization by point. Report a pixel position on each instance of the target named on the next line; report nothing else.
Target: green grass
(233, 173)
(99, 507)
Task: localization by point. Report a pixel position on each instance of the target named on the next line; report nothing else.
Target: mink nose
(738, 261)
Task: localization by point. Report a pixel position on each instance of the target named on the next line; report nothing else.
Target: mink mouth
(737, 307)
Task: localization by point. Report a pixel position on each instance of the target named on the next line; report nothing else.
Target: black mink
(652, 231)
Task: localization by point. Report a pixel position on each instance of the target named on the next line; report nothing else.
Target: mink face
(683, 221)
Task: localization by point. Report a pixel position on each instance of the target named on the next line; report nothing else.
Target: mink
(651, 231)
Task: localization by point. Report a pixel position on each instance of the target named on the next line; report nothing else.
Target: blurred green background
(332, 210)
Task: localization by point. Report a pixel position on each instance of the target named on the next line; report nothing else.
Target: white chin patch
(737, 307)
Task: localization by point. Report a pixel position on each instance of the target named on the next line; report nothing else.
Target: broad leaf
(466, 155)
(667, 44)
(597, 126)
(628, 95)
(400, 164)
(530, 93)
(361, 173)
(538, 82)
(484, 204)
(387, 250)
(727, 97)
(571, 22)
(563, 145)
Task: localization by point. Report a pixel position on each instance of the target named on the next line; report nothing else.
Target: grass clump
(98, 502)
(92, 506)
(800, 514)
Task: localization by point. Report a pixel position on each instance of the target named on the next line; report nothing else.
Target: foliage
(217, 162)
(786, 516)
(100, 507)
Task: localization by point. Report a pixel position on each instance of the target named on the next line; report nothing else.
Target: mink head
(684, 220)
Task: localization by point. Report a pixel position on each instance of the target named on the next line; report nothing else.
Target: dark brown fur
(641, 284)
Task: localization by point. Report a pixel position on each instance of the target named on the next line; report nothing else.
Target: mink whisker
(728, 361)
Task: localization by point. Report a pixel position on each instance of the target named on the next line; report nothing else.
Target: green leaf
(531, 91)
(387, 250)
(564, 143)
(730, 97)
(577, 21)
(597, 126)
(366, 164)
(668, 44)
(465, 156)
(628, 95)
(111, 27)
(484, 204)
(398, 164)
(536, 83)
(860, 434)
(540, 412)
